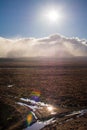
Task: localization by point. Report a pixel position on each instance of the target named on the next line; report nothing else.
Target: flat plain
(60, 83)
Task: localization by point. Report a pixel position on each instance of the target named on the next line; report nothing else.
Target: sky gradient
(22, 18)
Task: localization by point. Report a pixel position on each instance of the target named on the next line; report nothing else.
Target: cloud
(53, 46)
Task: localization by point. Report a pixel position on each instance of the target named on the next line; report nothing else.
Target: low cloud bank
(52, 46)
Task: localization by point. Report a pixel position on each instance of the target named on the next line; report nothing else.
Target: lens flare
(29, 118)
(35, 95)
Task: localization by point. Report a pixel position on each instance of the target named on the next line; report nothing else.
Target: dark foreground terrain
(61, 84)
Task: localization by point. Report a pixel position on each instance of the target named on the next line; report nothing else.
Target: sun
(53, 15)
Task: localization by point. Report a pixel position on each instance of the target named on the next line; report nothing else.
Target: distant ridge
(43, 59)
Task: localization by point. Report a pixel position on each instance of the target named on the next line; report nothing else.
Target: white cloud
(54, 46)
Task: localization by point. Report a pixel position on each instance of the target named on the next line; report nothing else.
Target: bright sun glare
(53, 15)
(50, 108)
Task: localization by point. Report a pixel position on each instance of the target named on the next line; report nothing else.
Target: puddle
(33, 102)
(38, 125)
(10, 85)
(78, 113)
(35, 106)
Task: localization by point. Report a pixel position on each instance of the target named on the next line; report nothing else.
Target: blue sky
(22, 18)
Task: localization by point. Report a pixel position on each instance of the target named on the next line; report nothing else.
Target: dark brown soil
(63, 85)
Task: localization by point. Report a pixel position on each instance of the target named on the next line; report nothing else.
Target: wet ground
(28, 88)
